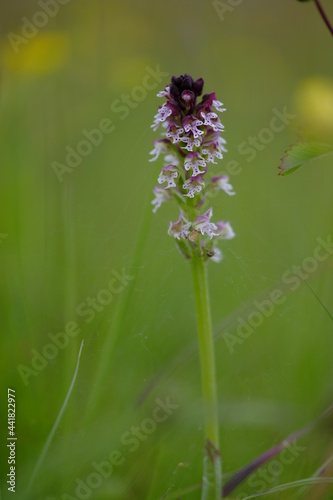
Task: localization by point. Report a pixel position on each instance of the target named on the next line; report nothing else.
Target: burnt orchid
(191, 142)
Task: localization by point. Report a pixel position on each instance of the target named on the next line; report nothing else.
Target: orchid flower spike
(191, 141)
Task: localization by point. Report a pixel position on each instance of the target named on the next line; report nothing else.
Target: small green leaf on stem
(300, 153)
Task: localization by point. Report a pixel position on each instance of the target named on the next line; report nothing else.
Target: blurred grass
(64, 240)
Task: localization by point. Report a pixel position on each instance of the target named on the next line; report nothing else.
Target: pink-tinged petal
(194, 185)
(194, 161)
(165, 92)
(207, 101)
(222, 182)
(213, 148)
(191, 124)
(168, 174)
(202, 223)
(161, 195)
(206, 216)
(224, 230)
(160, 146)
(190, 143)
(164, 112)
(180, 229)
(174, 132)
(172, 158)
(218, 106)
(211, 119)
(188, 98)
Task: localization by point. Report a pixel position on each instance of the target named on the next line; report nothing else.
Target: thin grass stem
(56, 423)
(324, 16)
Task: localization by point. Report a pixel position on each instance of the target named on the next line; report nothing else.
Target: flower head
(191, 141)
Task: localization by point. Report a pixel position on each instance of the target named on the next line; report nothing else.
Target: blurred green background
(61, 241)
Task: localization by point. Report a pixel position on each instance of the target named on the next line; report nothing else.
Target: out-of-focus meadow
(68, 232)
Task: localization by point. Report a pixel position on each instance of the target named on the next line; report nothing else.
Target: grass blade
(56, 423)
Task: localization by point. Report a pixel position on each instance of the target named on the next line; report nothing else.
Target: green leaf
(300, 153)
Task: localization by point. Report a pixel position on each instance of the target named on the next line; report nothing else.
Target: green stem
(208, 373)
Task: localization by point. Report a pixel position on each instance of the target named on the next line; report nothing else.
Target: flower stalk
(208, 376)
(206, 349)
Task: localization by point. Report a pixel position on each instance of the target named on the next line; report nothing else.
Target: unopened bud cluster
(191, 142)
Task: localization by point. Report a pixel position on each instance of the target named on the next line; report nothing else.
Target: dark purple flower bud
(198, 86)
(184, 91)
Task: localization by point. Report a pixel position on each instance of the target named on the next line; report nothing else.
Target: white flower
(190, 143)
(218, 106)
(224, 230)
(191, 124)
(203, 224)
(213, 120)
(217, 255)
(163, 113)
(172, 158)
(161, 195)
(165, 92)
(222, 182)
(180, 229)
(160, 146)
(175, 133)
(194, 185)
(194, 161)
(213, 149)
(168, 174)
